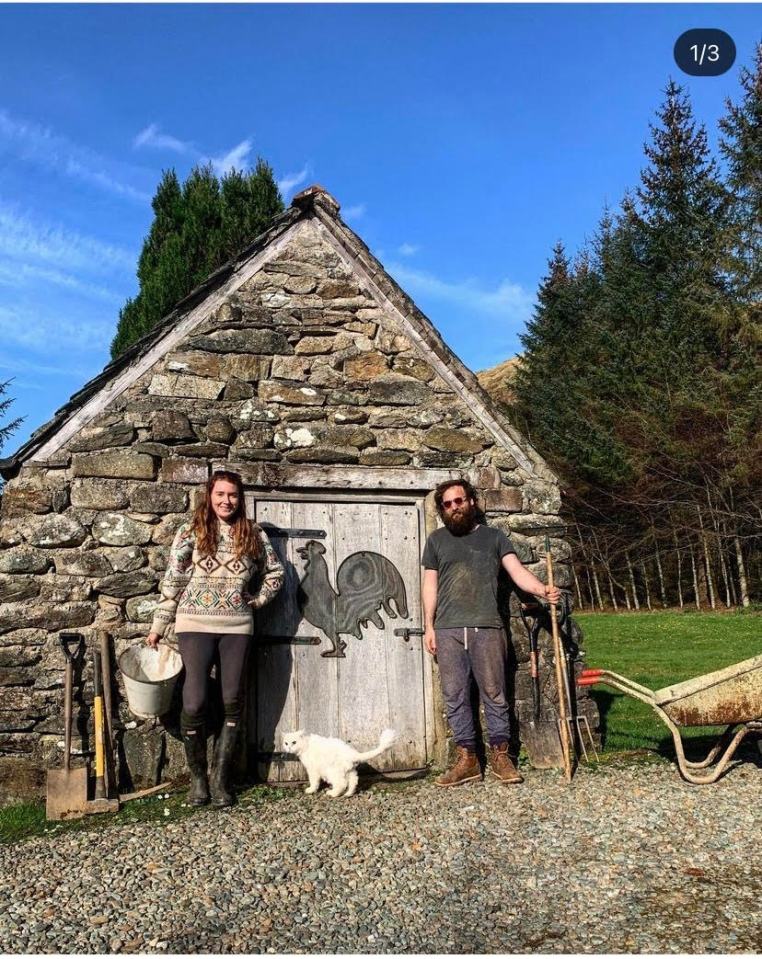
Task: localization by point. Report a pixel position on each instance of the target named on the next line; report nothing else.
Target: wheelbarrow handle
(591, 672)
(588, 680)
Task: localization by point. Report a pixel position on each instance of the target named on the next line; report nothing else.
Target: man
(463, 627)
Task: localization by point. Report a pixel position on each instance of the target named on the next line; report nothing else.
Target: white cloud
(508, 300)
(21, 366)
(23, 239)
(39, 145)
(408, 249)
(151, 136)
(233, 159)
(353, 212)
(46, 334)
(103, 181)
(24, 274)
(292, 180)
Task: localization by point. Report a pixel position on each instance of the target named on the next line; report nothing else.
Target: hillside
(497, 380)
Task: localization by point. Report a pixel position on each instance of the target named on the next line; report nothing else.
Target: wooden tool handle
(100, 785)
(67, 714)
(566, 748)
(106, 674)
(110, 776)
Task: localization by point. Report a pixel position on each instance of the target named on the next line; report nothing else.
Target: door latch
(406, 633)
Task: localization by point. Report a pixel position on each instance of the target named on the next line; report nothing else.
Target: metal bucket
(150, 675)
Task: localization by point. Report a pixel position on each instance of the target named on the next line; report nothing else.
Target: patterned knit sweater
(209, 594)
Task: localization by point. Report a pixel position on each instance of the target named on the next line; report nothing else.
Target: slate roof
(312, 202)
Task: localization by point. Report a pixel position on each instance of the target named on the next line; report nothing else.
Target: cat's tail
(385, 740)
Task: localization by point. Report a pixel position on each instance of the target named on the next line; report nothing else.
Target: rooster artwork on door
(365, 583)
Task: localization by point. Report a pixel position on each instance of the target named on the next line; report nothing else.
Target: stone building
(303, 366)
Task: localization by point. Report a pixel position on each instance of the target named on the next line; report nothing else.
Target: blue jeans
(481, 652)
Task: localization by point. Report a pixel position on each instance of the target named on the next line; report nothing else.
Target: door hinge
(289, 640)
(295, 533)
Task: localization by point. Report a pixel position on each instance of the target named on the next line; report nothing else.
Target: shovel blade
(543, 744)
(67, 793)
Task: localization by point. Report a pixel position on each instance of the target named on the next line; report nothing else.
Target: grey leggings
(197, 651)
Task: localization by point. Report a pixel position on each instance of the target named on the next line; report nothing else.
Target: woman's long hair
(206, 526)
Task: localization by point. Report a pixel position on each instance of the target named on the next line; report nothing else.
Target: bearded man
(464, 629)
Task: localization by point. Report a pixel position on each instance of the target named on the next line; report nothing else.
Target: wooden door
(339, 652)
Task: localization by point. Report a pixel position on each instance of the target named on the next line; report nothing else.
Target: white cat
(332, 760)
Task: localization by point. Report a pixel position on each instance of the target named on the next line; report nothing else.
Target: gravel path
(626, 859)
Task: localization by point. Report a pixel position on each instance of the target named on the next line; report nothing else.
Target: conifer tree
(543, 347)
(196, 228)
(554, 379)
(741, 145)
(639, 414)
(6, 429)
(739, 382)
(683, 216)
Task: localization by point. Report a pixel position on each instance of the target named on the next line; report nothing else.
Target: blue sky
(462, 142)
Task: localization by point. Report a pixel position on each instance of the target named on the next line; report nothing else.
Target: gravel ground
(626, 859)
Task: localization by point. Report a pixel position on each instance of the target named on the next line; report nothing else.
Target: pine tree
(741, 145)
(683, 216)
(248, 202)
(739, 383)
(553, 380)
(625, 383)
(196, 228)
(6, 429)
(543, 344)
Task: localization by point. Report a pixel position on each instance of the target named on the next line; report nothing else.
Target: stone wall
(299, 366)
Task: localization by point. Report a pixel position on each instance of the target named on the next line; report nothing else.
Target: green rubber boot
(224, 753)
(194, 740)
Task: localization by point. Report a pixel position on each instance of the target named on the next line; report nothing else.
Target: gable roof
(317, 206)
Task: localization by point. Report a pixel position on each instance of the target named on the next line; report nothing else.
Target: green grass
(26, 820)
(658, 649)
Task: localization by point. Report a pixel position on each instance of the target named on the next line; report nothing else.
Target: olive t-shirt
(467, 568)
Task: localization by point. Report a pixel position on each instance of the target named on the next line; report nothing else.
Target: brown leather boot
(465, 769)
(501, 766)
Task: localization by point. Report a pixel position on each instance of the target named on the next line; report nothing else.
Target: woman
(204, 592)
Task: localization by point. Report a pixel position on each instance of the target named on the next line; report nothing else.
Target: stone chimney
(316, 194)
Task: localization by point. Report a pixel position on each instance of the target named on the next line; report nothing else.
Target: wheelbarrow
(730, 697)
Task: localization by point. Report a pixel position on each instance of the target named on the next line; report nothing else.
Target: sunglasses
(457, 501)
